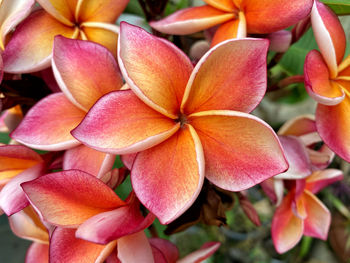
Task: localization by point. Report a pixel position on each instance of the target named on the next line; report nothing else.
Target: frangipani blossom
(236, 17)
(30, 48)
(186, 123)
(327, 80)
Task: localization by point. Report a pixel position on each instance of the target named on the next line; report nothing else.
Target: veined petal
(333, 124)
(62, 10)
(267, 16)
(155, 69)
(135, 248)
(12, 12)
(85, 71)
(286, 228)
(168, 250)
(65, 247)
(191, 20)
(297, 157)
(320, 179)
(236, 28)
(88, 160)
(298, 126)
(44, 126)
(120, 123)
(236, 83)
(69, 198)
(102, 33)
(203, 253)
(318, 217)
(317, 80)
(168, 177)
(224, 5)
(329, 34)
(26, 224)
(30, 48)
(240, 150)
(37, 253)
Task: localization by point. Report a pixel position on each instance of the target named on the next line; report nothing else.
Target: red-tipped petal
(30, 48)
(236, 83)
(37, 253)
(85, 71)
(320, 179)
(48, 124)
(69, 198)
(333, 124)
(168, 177)
(191, 20)
(318, 217)
(240, 150)
(329, 34)
(120, 123)
(156, 70)
(203, 253)
(286, 228)
(65, 247)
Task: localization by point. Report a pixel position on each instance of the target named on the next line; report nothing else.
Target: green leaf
(134, 8)
(340, 7)
(4, 138)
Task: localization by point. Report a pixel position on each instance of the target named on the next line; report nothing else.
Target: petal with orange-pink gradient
(85, 71)
(236, 83)
(191, 20)
(12, 12)
(120, 123)
(168, 177)
(320, 179)
(47, 125)
(65, 247)
(62, 10)
(329, 34)
(318, 217)
(156, 70)
(267, 16)
(88, 160)
(298, 126)
(286, 228)
(30, 48)
(240, 150)
(68, 198)
(201, 254)
(317, 80)
(37, 253)
(333, 124)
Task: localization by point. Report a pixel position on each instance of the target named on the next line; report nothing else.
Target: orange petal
(112, 127)
(267, 16)
(286, 228)
(44, 126)
(69, 198)
(84, 71)
(37, 253)
(65, 247)
(298, 126)
(317, 80)
(240, 150)
(191, 20)
(155, 69)
(168, 177)
(62, 10)
(329, 34)
(30, 48)
(236, 83)
(224, 5)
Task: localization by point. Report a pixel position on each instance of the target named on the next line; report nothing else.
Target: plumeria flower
(301, 212)
(186, 123)
(30, 48)
(327, 80)
(236, 18)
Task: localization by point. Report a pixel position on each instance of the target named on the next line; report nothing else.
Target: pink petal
(203, 253)
(280, 41)
(128, 160)
(320, 179)
(37, 253)
(168, 251)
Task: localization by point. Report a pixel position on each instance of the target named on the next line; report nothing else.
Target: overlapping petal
(155, 70)
(203, 253)
(37, 253)
(237, 82)
(169, 252)
(317, 80)
(224, 5)
(84, 71)
(298, 126)
(69, 198)
(62, 10)
(30, 47)
(48, 124)
(169, 193)
(191, 20)
(240, 149)
(128, 125)
(320, 179)
(329, 34)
